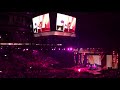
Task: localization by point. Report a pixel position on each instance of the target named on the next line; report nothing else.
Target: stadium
(48, 45)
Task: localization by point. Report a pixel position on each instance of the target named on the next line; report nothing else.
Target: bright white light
(79, 70)
(5, 55)
(70, 48)
(23, 49)
(27, 49)
(60, 44)
(30, 67)
(0, 71)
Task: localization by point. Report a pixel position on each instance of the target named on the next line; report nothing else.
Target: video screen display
(65, 23)
(41, 23)
(108, 61)
(94, 59)
(114, 62)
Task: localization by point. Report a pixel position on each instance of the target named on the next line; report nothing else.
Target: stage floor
(85, 69)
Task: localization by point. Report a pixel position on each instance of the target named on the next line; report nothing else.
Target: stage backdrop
(41, 23)
(65, 23)
(94, 59)
(108, 61)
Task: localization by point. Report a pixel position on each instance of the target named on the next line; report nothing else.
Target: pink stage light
(68, 49)
(71, 49)
(27, 49)
(52, 49)
(59, 48)
(94, 65)
(23, 50)
(18, 48)
(79, 70)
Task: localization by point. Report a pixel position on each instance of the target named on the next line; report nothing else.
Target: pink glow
(23, 50)
(79, 70)
(71, 49)
(68, 49)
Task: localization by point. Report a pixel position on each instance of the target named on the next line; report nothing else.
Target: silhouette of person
(35, 28)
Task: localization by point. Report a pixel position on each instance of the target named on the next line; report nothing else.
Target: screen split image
(64, 23)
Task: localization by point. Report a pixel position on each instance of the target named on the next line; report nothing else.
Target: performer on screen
(69, 24)
(40, 26)
(62, 23)
(36, 28)
(67, 27)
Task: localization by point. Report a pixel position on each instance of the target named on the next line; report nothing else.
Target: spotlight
(27, 49)
(71, 49)
(79, 70)
(59, 48)
(23, 50)
(68, 49)
(5, 55)
(52, 49)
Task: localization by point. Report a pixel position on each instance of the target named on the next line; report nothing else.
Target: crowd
(37, 65)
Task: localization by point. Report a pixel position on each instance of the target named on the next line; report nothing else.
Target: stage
(85, 69)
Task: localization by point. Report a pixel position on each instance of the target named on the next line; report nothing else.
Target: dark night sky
(97, 29)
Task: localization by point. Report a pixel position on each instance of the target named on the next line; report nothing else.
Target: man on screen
(40, 26)
(67, 27)
(69, 24)
(35, 30)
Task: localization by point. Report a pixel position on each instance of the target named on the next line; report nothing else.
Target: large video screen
(94, 59)
(65, 23)
(41, 23)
